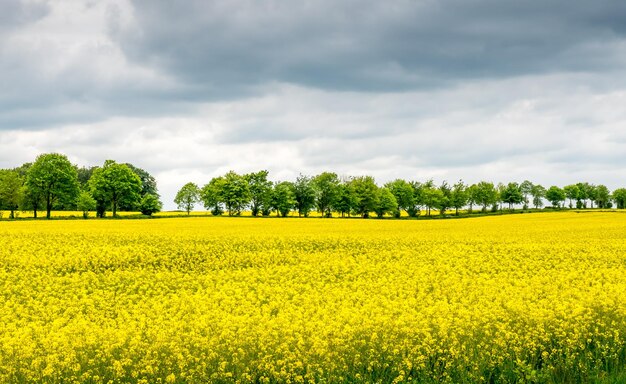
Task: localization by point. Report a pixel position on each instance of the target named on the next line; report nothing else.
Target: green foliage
(211, 195)
(115, 184)
(602, 196)
(52, 178)
(10, 190)
(304, 194)
(538, 192)
(366, 193)
(403, 192)
(187, 197)
(432, 198)
(415, 209)
(346, 201)
(619, 196)
(260, 191)
(526, 188)
(85, 203)
(387, 203)
(555, 196)
(235, 193)
(326, 188)
(459, 196)
(283, 198)
(512, 194)
(572, 193)
(485, 194)
(150, 204)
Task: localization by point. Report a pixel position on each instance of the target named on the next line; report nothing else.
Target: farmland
(515, 298)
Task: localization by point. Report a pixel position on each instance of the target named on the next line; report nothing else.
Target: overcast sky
(417, 89)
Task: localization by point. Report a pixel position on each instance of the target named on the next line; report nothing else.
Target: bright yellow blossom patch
(537, 297)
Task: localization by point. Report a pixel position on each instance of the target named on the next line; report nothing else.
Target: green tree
(472, 197)
(10, 190)
(415, 209)
(619, 196)
(283, 198)
(326, 187)
(187, 197)
(459, 196)
(304, 194)
(211, 195)
(387, 203)
(572, 193)
(260, 190)
(83, 175)
(235, 193)
(443, 202)
(149, 204)
(116, 184)
(346, 201)
(432, 198)
(526, 188)
(555, 196)
(485, 194)
(602, 196)
(403, 192)
(85, 203)
(366, 193)
(512, 194)
(538, 193)
(148, 185)
(53, 178)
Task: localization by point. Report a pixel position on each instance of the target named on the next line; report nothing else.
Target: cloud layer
(415, 89)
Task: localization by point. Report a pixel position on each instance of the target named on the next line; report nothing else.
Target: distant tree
(403, 192)
(235, 193)
(148, 182)
(555, 196)
(346, 201)
(283, 198)
(619, 196)
(415, 209)
(459, 196)
(526, 187)
(538, 193)
(22, 170)
(585, 192)
(10, 190)
(53, 178)
(326, 188)
(432, 198)
(512, 194)
(366, 192)
(83, 175)
(85, 203)
(211, 195)
(485, 194)
(602, 196)
(116, 184)
(187, 197)
(304, 194)
(472, 197)
(149, 204)
(387, 203)
(260, 190)
(572, 193)
(443, 203)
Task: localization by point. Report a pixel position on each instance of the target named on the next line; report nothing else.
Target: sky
(414, 89)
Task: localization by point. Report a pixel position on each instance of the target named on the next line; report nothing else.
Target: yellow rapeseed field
(516, 298)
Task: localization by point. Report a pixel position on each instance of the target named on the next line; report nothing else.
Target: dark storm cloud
(228, 46)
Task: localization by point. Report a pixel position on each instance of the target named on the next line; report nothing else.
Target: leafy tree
(235, 193)
(260, 190)
(148, 182)
(443, 202)
(116, 184)
(149, 204)
(432, 198)
(304, 194)
(415, 209)
(211, 195)
(10, 190)
(403, 192)
(485, 194)
(585, 192)
(526, 187)
(459, 196)
(538, 193)
(53, 178)
(619, 196)
(472, 197)
(326, 187)
(85, 203)
(187, 197)
(346, 201)
(555, 196)
(83, 175)
(512, 194)
(572, 193)
(602, 196)
(366, 193)
(283, 198)
(387, 202)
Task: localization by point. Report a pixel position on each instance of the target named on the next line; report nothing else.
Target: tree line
(53, 182)
(360, 196)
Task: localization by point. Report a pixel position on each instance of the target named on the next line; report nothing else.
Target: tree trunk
(48, 206)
